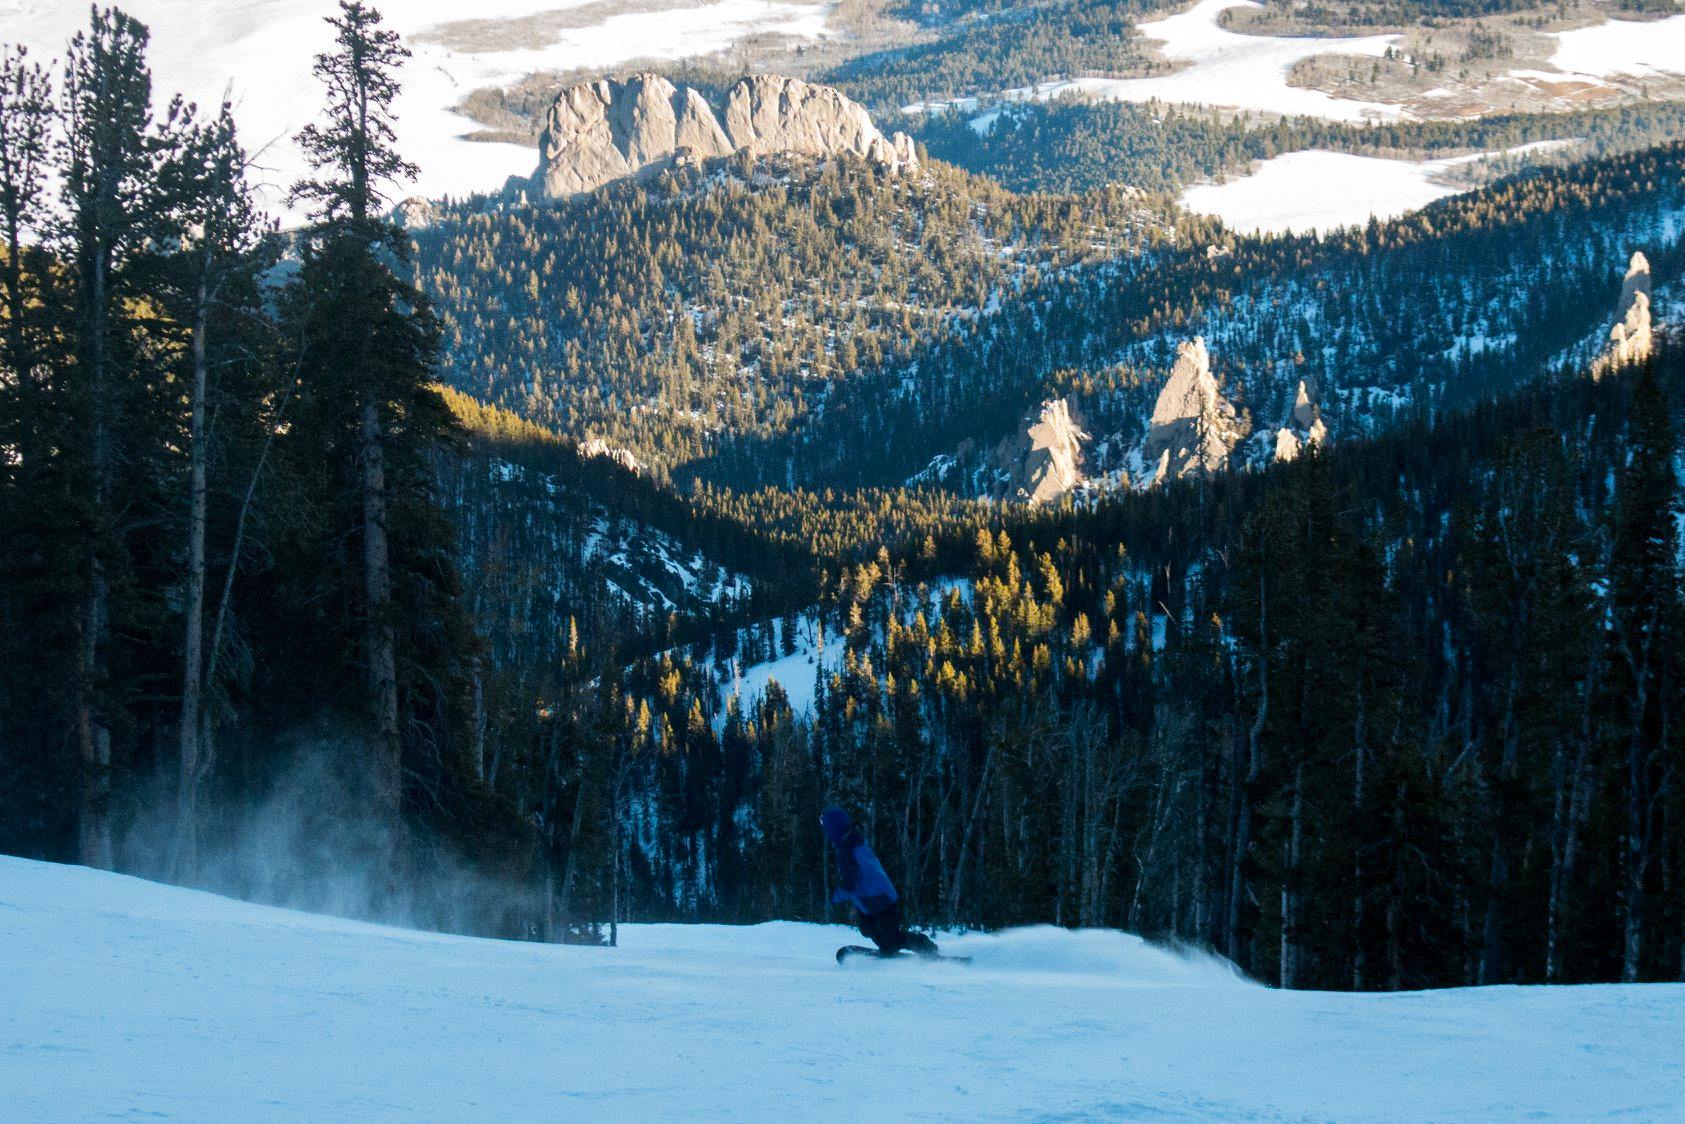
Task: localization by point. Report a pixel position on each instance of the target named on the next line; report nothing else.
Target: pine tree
(39, 584)
(369, 346)
(107, 166)
(210, 287)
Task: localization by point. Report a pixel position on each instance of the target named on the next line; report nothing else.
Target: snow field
(262, 51)
(1224, 68)
(1317, 189)
(127, 997)
(1623, 47)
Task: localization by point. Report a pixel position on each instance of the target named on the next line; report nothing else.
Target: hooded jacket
(863, 880)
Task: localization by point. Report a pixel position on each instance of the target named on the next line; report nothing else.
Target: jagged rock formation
(1193, 428)
(415, 213)
(1044, 459)
(597, 447)
(1631, 339)
(1303, 427)
(602, 131)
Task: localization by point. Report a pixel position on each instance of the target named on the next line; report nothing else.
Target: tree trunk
(192, 677)
(1573, 800)
(381, 632)
(965, 842)
(1360, 823)
(479, 722)
(1290, 885)
(92, 735)
(1637, 851)
(1244, 775)
(573, 852)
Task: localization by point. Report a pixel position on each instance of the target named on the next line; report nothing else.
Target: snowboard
(850, 952)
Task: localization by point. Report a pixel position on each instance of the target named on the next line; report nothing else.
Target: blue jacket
(863, 880)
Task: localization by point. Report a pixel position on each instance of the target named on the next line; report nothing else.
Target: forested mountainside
(1078, 145)
(1384, 716)
(713, 305)
(1014, 46)
(840, 328)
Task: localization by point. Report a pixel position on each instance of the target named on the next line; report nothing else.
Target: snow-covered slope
(1623, 47)
(261, 51)
(1221, 68)
(123, 997)
(1319, 190)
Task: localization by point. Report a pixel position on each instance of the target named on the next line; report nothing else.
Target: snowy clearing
(127, 997)
(1636, 48)
(1322, 190)
(263, 50)
(1224, 68)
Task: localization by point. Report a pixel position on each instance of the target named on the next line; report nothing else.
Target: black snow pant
(884, 930)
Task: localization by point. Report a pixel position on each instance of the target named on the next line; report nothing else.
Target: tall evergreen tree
(368, 352)
(209, 284)
(38, 585)
(107, 165)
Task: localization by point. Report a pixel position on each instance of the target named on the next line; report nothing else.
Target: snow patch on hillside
(1320, 190)
(1623, 47)
(130, 998)
(1224, 68)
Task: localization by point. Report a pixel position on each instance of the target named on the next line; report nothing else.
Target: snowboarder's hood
(835, 822)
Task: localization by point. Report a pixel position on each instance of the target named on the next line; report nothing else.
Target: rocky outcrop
(607, 130)
(597, 447)
(415, 213)
(1304, 426)
(1193, 429)
(1631, 339)
(1043, 460)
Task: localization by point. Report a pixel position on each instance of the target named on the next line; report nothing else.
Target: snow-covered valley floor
(127, 998)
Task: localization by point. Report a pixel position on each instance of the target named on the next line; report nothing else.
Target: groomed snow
(1322, 190)
(1629, 47)
(1224, 69)
(264, 50)
(128, 998)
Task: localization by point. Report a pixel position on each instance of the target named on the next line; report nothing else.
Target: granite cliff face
(1194, 428)
(1304, 426)
(1043, 460)
(607, 130)
(1631, 339)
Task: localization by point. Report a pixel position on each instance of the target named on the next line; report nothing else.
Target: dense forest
(1068, 146)
(1402, 713)
(1008, 49)
(552, 566)
(224, 547)
(839, 328)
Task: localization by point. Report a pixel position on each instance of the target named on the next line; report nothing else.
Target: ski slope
(124, 997)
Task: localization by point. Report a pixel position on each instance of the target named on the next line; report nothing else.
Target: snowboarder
(864, 884)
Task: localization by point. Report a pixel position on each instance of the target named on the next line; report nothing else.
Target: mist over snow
(128, 997)
(261, 51)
